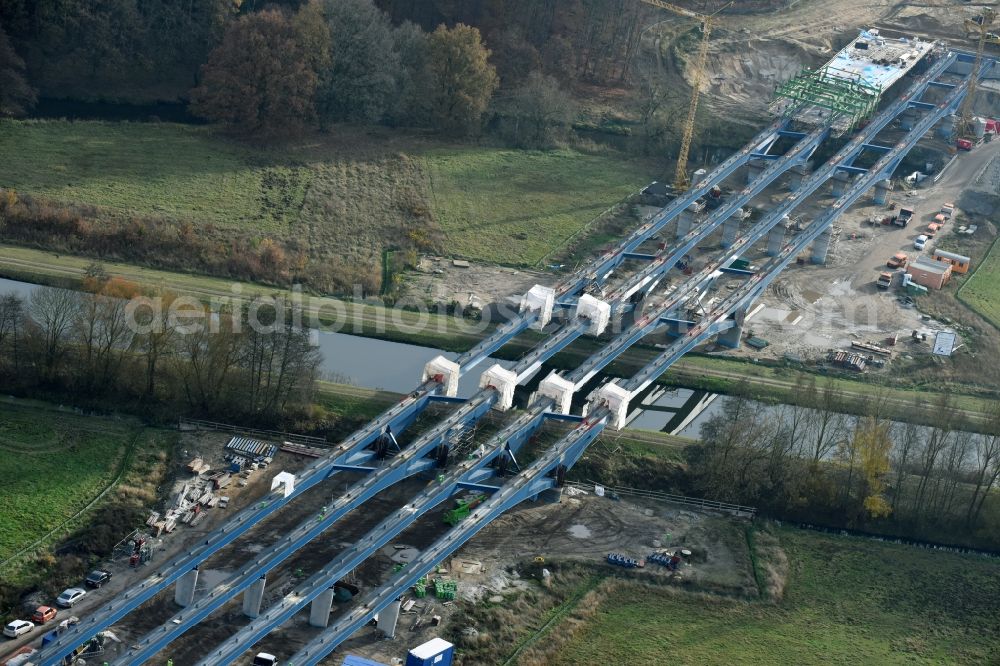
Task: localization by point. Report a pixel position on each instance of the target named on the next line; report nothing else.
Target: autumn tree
(361, 79)
(872, 445)
(460, 78)
(261, 79)
(16, 96)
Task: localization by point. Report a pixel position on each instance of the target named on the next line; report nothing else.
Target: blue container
(355, 660)
(435, 652)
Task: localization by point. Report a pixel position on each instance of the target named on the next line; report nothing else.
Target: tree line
(276, 68)
(811, 462)
(114, 344)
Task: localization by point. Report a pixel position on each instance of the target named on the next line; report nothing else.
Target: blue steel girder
(611, 259)
(497, 339)
(477, 487)
(739, 272)
(688, 341)
(876, 147)
(526, 485)
(790, 133)
(766, 156)
(851, 169)
(447, 399)
(941, 84)
(639, 256)
(926, 106)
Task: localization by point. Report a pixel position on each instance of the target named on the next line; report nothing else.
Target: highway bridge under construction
(667, 302)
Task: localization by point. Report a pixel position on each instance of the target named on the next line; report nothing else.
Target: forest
(274, 68)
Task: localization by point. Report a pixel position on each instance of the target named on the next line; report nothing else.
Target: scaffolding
(839, 96)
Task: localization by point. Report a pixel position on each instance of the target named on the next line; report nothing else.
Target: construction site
(277, 550)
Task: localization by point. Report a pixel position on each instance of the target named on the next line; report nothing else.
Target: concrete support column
(882, 189)
(820, 247)
(754, 169)
(319, 609)
(775, 239)
(730, 229)
(796, 174)
(946, 129)
(840, 180)
(387, 618)
(684, 221)
(731, 337)
(253, 597)
(184, 588)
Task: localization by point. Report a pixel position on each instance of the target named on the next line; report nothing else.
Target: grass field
(981, 292)
(342, 196)
(514, 207)
(164, 170)
(846, 601)
(53, 464)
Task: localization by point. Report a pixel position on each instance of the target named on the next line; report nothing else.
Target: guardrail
(198, 424)
(735, 509)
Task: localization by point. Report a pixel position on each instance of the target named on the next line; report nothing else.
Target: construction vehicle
(903, 217)
(966, 124)
(884, 280)
(897, 260)
(463, 507)
(681, 180)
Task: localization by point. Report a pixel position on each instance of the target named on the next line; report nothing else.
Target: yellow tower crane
(982, 25)
(681, 181)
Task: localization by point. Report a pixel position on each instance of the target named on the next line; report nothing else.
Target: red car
(43, 614)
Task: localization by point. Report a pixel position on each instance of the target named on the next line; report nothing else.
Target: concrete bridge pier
(796, 174)
(731, 337)
(253, 597)
(882, 189)
(840, 181)
(820, 248)
(387, 619)
(184, 588)
(775, 239)
(730, 229)
(319, 609)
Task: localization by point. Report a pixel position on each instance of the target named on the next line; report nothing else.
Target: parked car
(44, 614)
(97, 578)
(17, 628)
(920, 242)
(70, 597)
(265, 659)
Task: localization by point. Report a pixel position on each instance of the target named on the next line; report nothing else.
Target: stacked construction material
(445, 588)
(254, 449)
(622, 560)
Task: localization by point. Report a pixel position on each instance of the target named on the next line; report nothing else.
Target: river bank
(443, 332)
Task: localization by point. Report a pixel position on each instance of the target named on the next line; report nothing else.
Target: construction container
(435, 652)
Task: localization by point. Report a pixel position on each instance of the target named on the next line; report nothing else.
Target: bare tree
(53, 313)
(987, 464)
